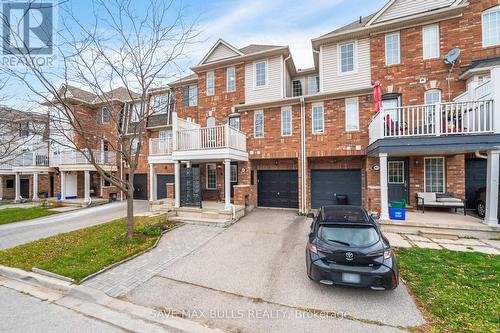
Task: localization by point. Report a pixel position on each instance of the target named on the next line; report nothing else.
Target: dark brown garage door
(161, 184)
(327, 184)
(141, 186)
(278, 188)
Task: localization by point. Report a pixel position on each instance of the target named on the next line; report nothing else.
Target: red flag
(377, 96)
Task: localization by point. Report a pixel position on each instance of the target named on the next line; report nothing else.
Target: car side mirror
(374, 216)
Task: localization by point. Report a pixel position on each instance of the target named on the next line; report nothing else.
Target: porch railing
(70, 157)
(457, 118)
(161, 146)
(223, 136)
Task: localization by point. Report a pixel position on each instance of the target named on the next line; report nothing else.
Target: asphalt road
(22, 313)
(17, 233)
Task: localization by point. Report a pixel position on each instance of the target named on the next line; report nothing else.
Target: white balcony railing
(160, 146)
(483, 91)
(71, 157)
(35, 158)
(222, 136)
(457, 118)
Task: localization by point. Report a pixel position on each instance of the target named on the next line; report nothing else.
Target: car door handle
(278, 193)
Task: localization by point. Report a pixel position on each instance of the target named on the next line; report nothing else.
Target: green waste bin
(398, 204)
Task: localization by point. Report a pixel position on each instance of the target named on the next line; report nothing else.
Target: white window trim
(227, 79)
(312, 117)
(423, 41)
(287, 108)
(444, 173)
(191, 102)
(255, 87)
(254, 116)
(311, 79)
(354, 56)
(398, 162)
(347, 101)
(236, 173)
(431, 91)
(302, 87)
(206, 176)
(102, 115)
(212, 73)
(399, 46)
(493, 9)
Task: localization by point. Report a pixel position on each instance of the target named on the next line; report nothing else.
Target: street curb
(52, 275)
(105, 269)
(36, 279)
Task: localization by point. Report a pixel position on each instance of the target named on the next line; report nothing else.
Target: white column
(177, 185)
(227, 184)
(492, 187)
(1, 188)
(152, 187)
(17, 186)
(63, 185)
(384, 201)
(35, 186)
(86, 186)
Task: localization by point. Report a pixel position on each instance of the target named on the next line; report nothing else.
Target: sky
(240, 22)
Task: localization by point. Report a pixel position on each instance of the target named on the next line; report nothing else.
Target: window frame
(433, 91)
(134, 147)
(483, 26)
(193, 99)
(266, 74)
(214, 165)
(102, 115)
(301, 88)
(314, 105)
(234, 173)
(443, 169)
(348, 101)
(283, 110)
(234, 117)
(402, 163)
(255, 113)
(354, 57)
(157, 108)
(210, 89)
(399, 48)
(438, 41)
(315, 79)
(228, 81)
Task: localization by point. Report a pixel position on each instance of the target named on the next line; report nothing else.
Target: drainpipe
(479, 155)
(303, 157)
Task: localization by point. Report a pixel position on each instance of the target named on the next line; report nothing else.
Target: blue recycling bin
(59, 197)
(397, 214)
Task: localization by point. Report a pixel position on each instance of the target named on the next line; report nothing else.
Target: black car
(481, 202)
(346, 247)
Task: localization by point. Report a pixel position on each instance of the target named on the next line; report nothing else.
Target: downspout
(303, 156)
(479, 155)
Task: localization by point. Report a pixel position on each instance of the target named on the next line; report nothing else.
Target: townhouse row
(249, 128)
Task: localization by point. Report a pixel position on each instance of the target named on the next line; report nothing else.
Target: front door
(25, 188)
(141, 186)
(397, 179)
(234, 176)
(190, 186)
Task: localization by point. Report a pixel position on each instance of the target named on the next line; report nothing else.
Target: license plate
(351, 278)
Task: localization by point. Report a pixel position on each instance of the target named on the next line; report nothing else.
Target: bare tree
(127, 46)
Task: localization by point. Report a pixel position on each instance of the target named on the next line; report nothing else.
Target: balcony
(75, 160)
(160, 147)
(26, 162)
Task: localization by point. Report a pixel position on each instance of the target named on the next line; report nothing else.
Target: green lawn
(80, 253)
(9, 215)
(459, 291)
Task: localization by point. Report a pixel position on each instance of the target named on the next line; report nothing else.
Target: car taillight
(313, 248)
(387, 254)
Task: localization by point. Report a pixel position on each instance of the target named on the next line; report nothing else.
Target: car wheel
(481, 209)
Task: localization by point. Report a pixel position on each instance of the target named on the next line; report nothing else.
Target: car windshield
(348, 235)
(344, 214)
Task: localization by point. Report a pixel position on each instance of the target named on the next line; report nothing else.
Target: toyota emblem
(349, 255)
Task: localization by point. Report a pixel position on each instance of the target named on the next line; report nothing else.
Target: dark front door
(161, 185)
(25, 188)
(141, 186)
(278, 188)
(234, 176)
(190, 186)
(397, 179)
(327, 186)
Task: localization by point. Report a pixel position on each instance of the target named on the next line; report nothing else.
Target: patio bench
(439, 200)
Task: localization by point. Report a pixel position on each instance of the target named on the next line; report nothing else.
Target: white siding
(221, 52)
(273, 90)
(403, 8)
(288, 84)
(332, 81)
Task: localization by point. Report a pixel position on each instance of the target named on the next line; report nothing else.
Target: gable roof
(73, 92)
(401, 8)
(220, 50)
(254, 48)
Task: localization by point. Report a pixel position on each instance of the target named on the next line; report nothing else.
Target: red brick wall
(245, 195)
(170, 191)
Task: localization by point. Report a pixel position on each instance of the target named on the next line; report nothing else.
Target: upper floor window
(211, 122)
(347, 56)
(134, 146)
(297, 88)
(491, 27)
(24, 130)
(318, 118)
(234, 122)
(230, 79)
(314, 84)
(135, 112)
(432, 97)
(392, 49)
(260, 69)
(430, 41)
(258, 124)
(351, 114)
(190, 96)
(105, 115)
(286, 121)
(159, 104)
(165, 135)
(210, 83)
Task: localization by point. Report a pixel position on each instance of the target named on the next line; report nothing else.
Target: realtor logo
(28, 28)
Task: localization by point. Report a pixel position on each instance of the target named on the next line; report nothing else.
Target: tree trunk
(130, 214)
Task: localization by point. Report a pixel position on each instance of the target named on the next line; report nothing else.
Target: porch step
(202, 221)
(442, 231)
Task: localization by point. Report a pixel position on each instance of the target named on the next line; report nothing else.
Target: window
(135, 112)
(297, 88)
(106, 183)
(234, 122)
(434, 174)
(258, 124)
(347, 57)
(318, 121)
(211, 176)
(286, 121)
(234, 173)
(159, 104)
(351, 114)
(24, 130)
(430, 41)
(230, 79)
(432, 96)
(105, 115)
(396, 172)
(491, 27)
(134, 146)
(314, 84)
(190, 95)
(260, 74)
(392, 49)
(9, 183)
(164, 135)
(210, 83)
(211, 122)
(391, 103)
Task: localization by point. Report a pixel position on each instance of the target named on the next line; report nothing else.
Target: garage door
(475, 177)
(326, 184)
(278, 188)
(161, 185)
(141, 186)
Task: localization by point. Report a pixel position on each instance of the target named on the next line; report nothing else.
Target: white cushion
(427, 196)
(449, 200)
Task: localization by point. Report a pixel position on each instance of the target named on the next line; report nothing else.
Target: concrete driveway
(17, 233)
(252, 278)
